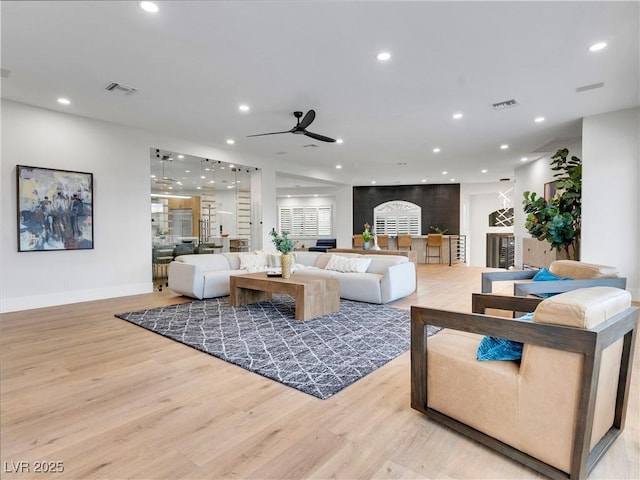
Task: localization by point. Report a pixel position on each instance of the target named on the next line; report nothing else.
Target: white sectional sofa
(364, 278)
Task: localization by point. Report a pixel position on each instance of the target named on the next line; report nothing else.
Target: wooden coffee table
(314, 296)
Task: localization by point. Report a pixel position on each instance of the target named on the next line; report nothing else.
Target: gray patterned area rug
(319, 357)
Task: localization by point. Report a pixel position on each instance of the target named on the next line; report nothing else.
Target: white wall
(531, 177)
(118, 157)
(610, 204)
(610, 154)
(321, 201)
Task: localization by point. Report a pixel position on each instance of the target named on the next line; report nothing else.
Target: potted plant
(439, 231)
(284, 245)
(558, 220)
(366, 236)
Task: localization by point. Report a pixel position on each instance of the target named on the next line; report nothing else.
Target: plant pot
(285, 261)
(365, 246)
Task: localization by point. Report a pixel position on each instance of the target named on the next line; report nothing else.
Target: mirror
(200, 201)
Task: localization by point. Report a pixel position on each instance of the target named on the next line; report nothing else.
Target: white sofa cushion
(306, 258)
(361, 287)
(233, 258)
(381, 263)
(216, 283)
(348, 265)
(207, 261)
(252, 262)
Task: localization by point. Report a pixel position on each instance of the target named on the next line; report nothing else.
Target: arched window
(397, 217)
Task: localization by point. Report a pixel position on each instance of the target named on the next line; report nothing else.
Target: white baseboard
(16, 304)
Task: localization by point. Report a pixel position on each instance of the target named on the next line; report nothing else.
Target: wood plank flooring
(112, 401)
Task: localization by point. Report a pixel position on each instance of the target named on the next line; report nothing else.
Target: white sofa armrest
(186, 279)
(398, 281)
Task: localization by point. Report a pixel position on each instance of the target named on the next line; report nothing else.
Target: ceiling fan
(164, 180)
(301, 127)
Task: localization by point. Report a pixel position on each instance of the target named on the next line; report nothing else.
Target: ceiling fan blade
(308, 118)
(272, 133)
(319, 137)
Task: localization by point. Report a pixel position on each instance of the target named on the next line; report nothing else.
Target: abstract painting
(55, 209)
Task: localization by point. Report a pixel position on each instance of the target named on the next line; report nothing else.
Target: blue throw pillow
(545, 275)
(493, 348)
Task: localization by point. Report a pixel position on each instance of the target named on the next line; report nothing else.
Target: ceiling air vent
(119, 88)
(505, 104)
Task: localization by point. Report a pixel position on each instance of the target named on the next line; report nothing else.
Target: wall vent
(119, 88)
(593, 86)
(505, 104)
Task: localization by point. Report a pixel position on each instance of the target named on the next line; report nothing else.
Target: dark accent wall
(440, 204)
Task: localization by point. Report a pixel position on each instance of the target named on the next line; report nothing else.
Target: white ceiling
(194, 62)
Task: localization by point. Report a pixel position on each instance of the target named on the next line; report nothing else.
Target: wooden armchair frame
(522, 289)
(589, 343)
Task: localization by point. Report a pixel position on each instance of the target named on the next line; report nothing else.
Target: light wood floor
(111, 400)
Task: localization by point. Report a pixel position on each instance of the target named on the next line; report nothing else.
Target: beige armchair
(583, 274)
(560, 407)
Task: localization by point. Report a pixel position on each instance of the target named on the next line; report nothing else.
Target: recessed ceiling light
(597, 46)
(230, 141)
(452, 179)
(64, 101)
(538, 119)
(373, 181)
(153, 176)
(180, 156)
(149, 7)
(338, 140)
(457, 115)
(424, 180)
(504, 146)
(202, 177)
(338, 166)
(383, 56)
(187, 171)
(243, 108)
(436, 150)
(524, 159)
(484, 170)
(445, 172)
(232, 166)
(288, 196)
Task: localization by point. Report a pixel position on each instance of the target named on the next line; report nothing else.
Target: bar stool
(434, 241)
(405, 241)
(383, 241)
(358, 242)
